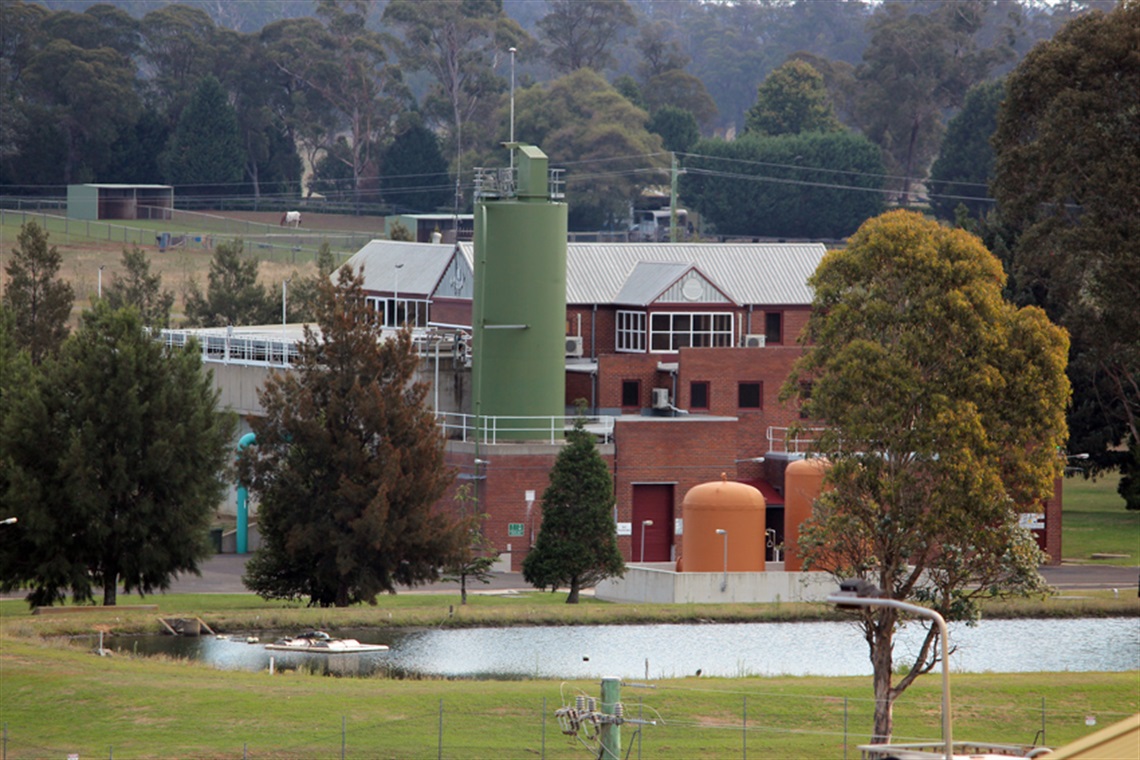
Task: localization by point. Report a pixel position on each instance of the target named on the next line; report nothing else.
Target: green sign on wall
(514, 529)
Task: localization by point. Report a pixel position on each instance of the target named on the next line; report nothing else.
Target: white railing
(804, 440)
(254, 350)
(491, 430)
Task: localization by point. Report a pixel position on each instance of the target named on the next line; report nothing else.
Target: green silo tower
(519, 309)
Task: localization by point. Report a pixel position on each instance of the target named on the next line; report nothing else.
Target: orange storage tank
(735, 508)
(803, 482)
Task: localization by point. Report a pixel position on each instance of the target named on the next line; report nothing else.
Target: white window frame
(630, 332)
(391, 311)
(685, 329)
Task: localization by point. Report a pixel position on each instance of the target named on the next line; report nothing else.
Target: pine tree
(577, 542)
(348, 465)
(139, 288)
(233, 295)
(40, 303)
(113, 465)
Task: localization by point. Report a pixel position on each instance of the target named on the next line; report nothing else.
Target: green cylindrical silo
(519, 309)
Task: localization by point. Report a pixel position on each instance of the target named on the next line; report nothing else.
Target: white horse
(291, 218)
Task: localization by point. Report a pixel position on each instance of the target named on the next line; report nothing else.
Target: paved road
(222, 573)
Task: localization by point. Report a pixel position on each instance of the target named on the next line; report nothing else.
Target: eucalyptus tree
(916, 67)
(459, 44)
(944, 407)
(582, 34)
(792, 99)
(178, 48)
(345, 64)
(1068, 155)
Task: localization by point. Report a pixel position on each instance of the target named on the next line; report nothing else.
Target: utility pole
(610, 732)
(600, 723)
(673, 199)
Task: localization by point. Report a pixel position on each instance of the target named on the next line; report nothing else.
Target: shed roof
(420, 265)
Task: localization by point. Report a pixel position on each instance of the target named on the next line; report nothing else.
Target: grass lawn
(56, 698)
(1096, 522)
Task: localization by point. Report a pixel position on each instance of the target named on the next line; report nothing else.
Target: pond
(667, 651)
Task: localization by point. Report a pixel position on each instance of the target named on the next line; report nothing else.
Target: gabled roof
(421, 266)
(772, 274)
(748, 273)
(674, 282)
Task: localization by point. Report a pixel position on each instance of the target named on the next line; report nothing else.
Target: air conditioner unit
(661, 398)
(573, 345)
(753, 341)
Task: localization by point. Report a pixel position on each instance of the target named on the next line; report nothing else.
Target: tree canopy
(40, 302)
(114, 460)
(809, 185)
(944, 407)
(793, 99)
(348, 465)
(577, 541)
(582, 121)
(582, 33)
(138, 288)
(233, 294)
(965, 163)
(205, 152)
(1068, 155)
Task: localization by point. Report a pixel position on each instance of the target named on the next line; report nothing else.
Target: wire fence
(734, 725)
(189, 230)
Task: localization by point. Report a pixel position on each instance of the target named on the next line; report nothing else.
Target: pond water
(666, 651)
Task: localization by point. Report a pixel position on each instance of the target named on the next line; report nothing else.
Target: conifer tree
(139, 288)
(577, 542)
(233, 295)
(348, 465)
(114, 462)
(40, 303)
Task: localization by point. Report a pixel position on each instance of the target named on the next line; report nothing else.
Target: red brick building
(679, 352)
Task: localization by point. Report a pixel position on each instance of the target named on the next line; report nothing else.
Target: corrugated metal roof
(748, 273)
(648, 280)
(421, 265)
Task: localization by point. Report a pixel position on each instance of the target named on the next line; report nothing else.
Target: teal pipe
(243, 500)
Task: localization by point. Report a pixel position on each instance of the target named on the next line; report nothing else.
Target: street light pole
(724, 580)
(862, 594)
(9, 521)
(513, 51)
(644, 523)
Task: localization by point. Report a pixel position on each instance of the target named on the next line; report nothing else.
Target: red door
(652, 502)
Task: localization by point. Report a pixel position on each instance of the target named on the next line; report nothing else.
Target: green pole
(673, 200)
(610, 733)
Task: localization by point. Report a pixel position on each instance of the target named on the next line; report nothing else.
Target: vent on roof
(573, 345)
(753, 341)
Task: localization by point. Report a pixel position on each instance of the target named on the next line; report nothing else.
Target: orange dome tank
(735, 508)
(803, 482)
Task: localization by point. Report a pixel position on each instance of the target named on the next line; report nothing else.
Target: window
(395, 313)
(749, 395)
(631, 393)
(631, 331)
(773, 327)
(699, 394)
(672, 331)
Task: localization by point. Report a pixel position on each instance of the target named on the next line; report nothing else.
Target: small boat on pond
(319, 642)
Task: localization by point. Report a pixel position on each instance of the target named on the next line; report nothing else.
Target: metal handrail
(500, 428)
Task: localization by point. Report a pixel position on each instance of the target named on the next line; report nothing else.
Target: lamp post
(396, 298)
(9, 521)
(859, 593)
(724, 580)
(284, 303)
(644, 525)
(513, 51)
